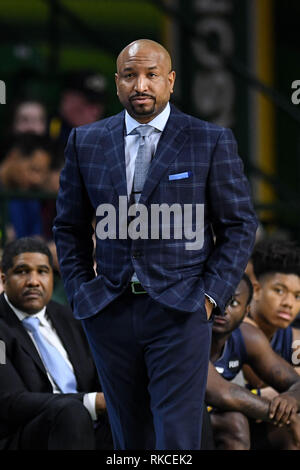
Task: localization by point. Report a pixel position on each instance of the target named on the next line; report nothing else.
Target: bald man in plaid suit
(147, 310)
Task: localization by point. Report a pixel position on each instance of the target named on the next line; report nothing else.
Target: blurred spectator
(56, 165)
(24, 116)
(51, 185)
(26, 163)
(25, 167)
(29, 116)
(82, 102)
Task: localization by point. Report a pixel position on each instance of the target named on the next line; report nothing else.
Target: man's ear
(116, 82)
(172, 76)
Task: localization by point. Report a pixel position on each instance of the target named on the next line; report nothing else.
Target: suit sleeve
(233, 221)
(17, 405)
(73, 224)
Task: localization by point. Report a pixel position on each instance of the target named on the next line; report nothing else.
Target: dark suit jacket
(95, 174)
(24, 385)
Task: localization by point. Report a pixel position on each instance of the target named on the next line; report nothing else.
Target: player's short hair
(276, 256)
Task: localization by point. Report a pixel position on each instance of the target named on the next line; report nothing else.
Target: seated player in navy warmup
(235, 343)
(239, 402)
(276, 300)
(276, 304)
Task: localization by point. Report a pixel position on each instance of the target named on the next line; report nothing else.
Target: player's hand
(282, 409)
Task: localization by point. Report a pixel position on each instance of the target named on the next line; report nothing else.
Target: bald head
(146, 45)
(144, 79)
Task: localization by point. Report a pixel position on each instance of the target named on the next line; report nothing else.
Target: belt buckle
(134, 285)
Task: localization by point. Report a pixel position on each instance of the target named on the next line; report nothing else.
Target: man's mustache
(141, 95)
(32, 291)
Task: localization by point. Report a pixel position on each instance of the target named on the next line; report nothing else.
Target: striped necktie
(143, 159)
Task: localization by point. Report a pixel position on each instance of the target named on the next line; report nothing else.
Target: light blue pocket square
(180, 176)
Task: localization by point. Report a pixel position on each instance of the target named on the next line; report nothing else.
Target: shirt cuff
(211, 300)
(89, 401)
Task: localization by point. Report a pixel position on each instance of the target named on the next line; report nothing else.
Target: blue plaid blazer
(95, 174)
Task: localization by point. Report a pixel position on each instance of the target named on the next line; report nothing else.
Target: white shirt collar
(21, 315)
(158, 122)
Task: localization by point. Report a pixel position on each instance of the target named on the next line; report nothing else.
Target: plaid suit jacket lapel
(170, 144)
(113, 145)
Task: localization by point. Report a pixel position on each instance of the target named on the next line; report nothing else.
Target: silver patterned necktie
(143, 160)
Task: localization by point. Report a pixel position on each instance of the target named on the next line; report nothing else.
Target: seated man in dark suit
(50, 396)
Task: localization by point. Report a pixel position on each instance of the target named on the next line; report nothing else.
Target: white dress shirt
(132, 141)
(49, 332)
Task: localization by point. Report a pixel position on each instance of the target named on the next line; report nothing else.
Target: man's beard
(141, 111)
